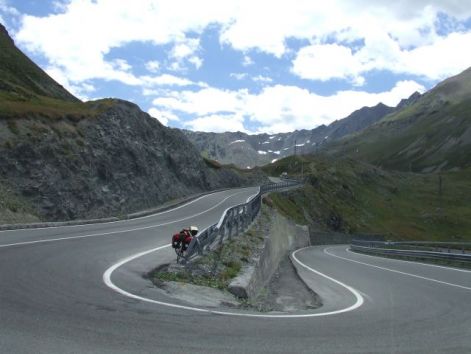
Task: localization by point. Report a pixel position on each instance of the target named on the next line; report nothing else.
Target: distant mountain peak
(408, 101)
(249, 150)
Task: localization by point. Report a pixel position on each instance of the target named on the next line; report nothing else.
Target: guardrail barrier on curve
(233, 221)
(451, 251)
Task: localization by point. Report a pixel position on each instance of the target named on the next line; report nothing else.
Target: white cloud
(185, 50)
(238, 76)
(263, 25)
(165, 80)
(153, 66)
(80, 50)
(204, 102)
(247, 61)
(196, 61)
(121, 65)
(326, 62)
(7, 9)
(262, 79)
(218, 123)
(163, 116)
(445, 57)
(276, 108)
(176, 66)
(80, 90)
(347, 39)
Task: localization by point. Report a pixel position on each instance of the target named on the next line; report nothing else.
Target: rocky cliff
(63, 159)
(119, 161)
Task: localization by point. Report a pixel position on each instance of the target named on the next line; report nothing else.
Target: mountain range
(61, 158)
(428, 132)
(247, 151)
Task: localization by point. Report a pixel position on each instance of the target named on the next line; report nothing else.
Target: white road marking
(399, 272)
(108, 273)
(401, 260)
(118, 231)
(113, 222)
(252, 196)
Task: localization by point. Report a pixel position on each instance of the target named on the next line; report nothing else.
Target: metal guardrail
(233, 221)
(451, 251)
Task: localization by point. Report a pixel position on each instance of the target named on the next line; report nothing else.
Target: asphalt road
(80, 290)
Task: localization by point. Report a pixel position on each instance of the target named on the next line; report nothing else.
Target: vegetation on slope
(26, 89)
(431, 135)
(349, 196)
(13, 208)
(218, 268)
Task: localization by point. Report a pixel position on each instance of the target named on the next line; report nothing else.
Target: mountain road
(80, 289)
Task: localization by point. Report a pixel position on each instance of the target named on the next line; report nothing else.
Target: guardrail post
(239, 209)
(230, 224)
(222, 234)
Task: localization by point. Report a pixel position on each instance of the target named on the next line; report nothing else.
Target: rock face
(246, 150)
(119, 161)
(65, 159)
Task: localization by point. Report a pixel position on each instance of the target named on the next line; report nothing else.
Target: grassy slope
(432, 134)
(349, 196)
(26, 89)
(428, 142)
(22, 76)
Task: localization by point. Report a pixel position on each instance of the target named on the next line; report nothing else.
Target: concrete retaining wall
(281, 236)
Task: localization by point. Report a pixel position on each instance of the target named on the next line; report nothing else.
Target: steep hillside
(358, 121)
(432, 134)
(62, 159)
(354, 197)
(23, 80)
(256, 150)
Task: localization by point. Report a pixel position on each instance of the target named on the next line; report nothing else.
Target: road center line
(398, 271)
(118, 231)
(114, 222)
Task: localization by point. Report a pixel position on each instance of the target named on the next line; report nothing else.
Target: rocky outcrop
(117, 161)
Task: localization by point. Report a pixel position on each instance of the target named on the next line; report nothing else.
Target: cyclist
(181, 240)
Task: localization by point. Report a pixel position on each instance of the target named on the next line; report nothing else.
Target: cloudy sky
(247, 65)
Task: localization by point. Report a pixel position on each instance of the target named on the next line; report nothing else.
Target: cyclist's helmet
(193, 230)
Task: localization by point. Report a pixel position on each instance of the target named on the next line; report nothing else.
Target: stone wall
(281, 236)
